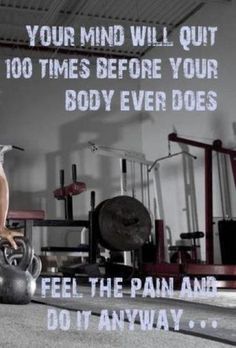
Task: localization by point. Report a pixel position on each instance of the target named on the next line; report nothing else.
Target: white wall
(201, 126)
(33, 116)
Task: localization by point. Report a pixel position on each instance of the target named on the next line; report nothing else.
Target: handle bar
(18, 148)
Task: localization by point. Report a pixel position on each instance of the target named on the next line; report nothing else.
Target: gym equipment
(131, 159)
(226, 226)
(134, 228)
(227, 234)
(34, 218)
(124, 224)
(170, 155)
(90, 268)
(217, 147)
(66, 193)
(119, 224)
(182, 252)
(19, 270)
(224, 186)
(226, 274)
(30, 218)
(191, 211)
(138, 167)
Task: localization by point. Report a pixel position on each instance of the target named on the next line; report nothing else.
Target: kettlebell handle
(36, 267)
(27, 252)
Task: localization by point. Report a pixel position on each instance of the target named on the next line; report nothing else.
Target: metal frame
(127, 157)
(178, 271)
(208, 149)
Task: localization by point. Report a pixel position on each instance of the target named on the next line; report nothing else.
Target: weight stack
(227, 234)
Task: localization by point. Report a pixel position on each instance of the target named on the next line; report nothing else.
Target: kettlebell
(19, 270)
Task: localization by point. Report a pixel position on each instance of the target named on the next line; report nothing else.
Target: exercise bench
(29, 219)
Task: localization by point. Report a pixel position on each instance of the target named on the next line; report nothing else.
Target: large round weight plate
(124, 223)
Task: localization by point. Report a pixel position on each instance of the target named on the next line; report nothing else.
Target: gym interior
(118, 135)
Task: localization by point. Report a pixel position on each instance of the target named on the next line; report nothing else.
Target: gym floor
(27, 325)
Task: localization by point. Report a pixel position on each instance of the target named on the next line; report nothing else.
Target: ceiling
(15, 14)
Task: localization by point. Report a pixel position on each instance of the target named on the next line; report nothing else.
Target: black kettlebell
(19, 270)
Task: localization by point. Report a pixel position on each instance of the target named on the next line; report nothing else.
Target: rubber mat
(197, 319)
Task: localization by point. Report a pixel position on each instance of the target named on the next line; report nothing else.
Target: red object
(209, 207)
(163, 269)
(70, 190)
(233, 164)
(159, 230)
(178, 271)
(204, 269)
(26, 215)
(175, 269)
(188, 269)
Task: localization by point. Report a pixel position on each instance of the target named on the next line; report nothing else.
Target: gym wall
(32, 116)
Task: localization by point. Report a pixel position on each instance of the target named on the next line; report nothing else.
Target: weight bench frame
(36, 218)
